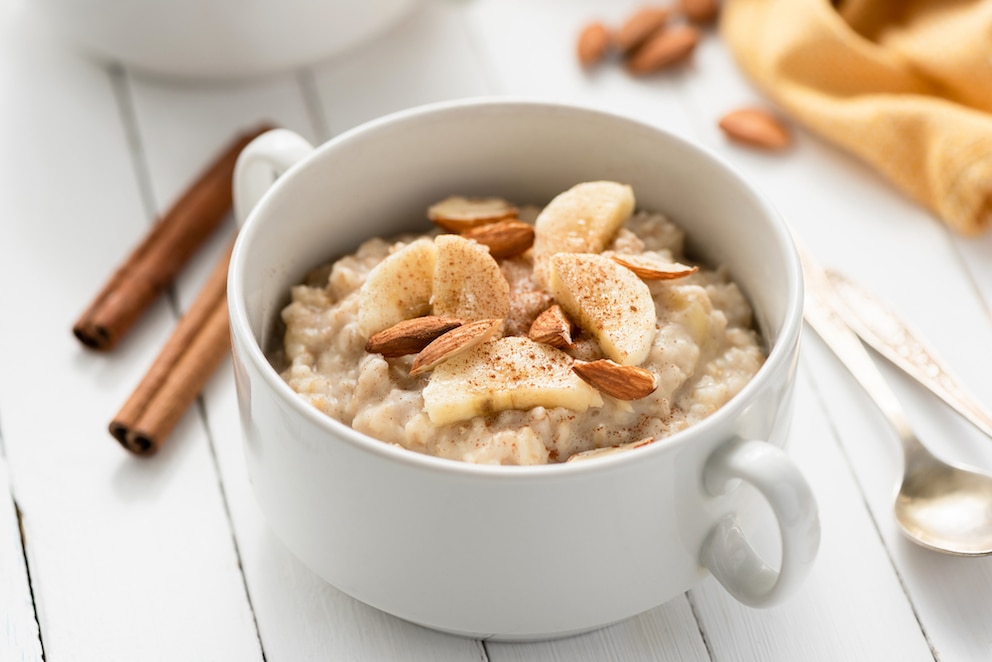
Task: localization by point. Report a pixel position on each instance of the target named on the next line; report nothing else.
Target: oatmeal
(522, 338)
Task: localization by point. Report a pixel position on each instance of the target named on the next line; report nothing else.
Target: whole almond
(457, 213)
(650, 266)
(552, 327)
(640, 25)
(756, 127)
(700, 11)
(507, 238)
(454, 342)
(666, 48)
(593, 43)
(624, 382)
(410, 336)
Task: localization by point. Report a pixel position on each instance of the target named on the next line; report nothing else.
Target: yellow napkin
(904, 84)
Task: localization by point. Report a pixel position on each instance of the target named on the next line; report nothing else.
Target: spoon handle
(820, 312)
(891, 337)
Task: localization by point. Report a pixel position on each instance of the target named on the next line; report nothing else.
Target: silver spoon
(882, 330)
(941, 506)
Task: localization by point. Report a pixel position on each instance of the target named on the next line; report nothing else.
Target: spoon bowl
(947, 508)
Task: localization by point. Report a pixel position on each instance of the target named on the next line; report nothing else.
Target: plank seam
(490, 75)
(699, 625)
(969, 275)
(132, 137)
(202, 409)
(139, 162)
(835, 433)
(27, 572)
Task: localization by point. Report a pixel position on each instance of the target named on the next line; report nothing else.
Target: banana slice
(607, 300)
(583, 219)
(508, 373)
(398, 288)
(468, 283)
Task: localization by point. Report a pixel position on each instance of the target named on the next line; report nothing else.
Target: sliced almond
(454, 342)
(610, 450)
(410, 336)
(609, 302)
(664, 49)
(624, 382)
(457, 214)
(651, 266)
(640, 25)
(552, 327)
(507, 238)
(593, 44)
(756, 127)
(468, 283)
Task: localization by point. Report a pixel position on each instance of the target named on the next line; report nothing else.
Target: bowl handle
(728, 555)
(263, 161)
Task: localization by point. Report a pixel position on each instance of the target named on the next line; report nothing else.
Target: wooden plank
(508, 33)
(19, 636)
(299, 616)
(666, 633)
(130, 559)
(425, 57)
(947, 593)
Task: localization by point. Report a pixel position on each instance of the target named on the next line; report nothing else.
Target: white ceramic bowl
(219, 38)
(514, 552)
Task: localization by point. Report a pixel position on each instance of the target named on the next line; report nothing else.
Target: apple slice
(398, 288)
(468, 283)
(507, 373)
(607, 300)
(583, 219)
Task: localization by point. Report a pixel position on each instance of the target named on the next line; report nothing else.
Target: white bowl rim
(774, 362)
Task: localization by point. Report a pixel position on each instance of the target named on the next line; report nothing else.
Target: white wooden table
(105, 556)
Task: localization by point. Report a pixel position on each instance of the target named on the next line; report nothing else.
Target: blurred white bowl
(219, 38)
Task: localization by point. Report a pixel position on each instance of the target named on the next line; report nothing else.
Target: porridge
(522, 336)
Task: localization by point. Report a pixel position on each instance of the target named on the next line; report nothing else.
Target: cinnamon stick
(196, 347)
(172, 240)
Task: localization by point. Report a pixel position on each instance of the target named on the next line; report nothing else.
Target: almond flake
(457, 214)
(552, 327)
(454, 342)
(651, 266)
(506, 238)
(624, 382)
(410, 336)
